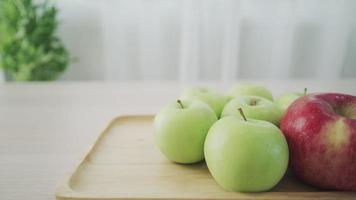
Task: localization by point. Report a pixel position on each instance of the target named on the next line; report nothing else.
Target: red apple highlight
(321, 134)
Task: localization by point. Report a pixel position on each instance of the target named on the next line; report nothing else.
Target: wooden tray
(124, 163)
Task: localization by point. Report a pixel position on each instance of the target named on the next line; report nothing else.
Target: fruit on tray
(254, 107)
(286, 99)
(181, 128)
(246, 155)
(321, 133)
(213, 98)
(245, 150)
(251, 89)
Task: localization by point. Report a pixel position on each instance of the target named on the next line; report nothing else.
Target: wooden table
(45, 128)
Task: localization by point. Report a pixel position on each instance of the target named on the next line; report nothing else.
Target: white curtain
(191, 40)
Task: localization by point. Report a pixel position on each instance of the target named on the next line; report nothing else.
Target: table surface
(45, 128)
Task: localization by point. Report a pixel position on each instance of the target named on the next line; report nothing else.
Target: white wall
(209, 39)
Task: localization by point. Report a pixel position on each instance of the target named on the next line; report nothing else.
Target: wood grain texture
(124, 163)
(45, 129)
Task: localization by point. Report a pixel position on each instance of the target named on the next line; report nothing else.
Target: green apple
(254, 107)
(251, 89)
(181, 128)
(285, 100)
(213, 98)
(246, 156)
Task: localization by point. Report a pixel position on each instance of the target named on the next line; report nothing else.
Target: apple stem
(305, 91)
(242, 114)
(180, 103)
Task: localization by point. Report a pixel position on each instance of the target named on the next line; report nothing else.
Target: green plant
(30, 49)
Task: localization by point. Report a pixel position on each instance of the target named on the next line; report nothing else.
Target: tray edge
(63, 190)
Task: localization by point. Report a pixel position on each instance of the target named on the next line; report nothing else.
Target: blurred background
(194, 40)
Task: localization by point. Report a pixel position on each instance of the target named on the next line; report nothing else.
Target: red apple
(321, 134)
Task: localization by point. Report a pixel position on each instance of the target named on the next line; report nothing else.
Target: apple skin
(246, 156)
(321, 133)
(251, 89)
(213, 98)
(285, 100)
(263, 110)
(180, 133)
